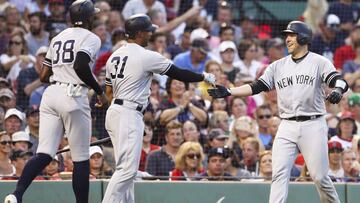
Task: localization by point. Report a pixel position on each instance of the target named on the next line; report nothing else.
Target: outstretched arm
(242, 91)
(188, 76)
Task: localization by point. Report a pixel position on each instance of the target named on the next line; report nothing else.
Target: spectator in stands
(195, 59)
(328, 40)
(227, 33)
(251, 150)
(99, 28)
(188, 162)
(216, 164)
(6, 168)
(179, 105)
(217, 104)
(142, 6)
(158, 43)
(275, 50)
(247, 50)
(37, 37)
(233, 166)
(17, 57)
(28, 79)
(265, 165)
(228, 52)
(191, 132)
(21, 141)
(3, 5)
(115, 21)
(4, 37)
(68, 163)
(161, 162)
(51, 171)
(273, 125)
(336, 171)
(224, 16)
(18, 160)
(348, 13)
(147, 147)
(98, 167)
(183, 45)
(36, 6)
(350, 165)
(13, 121)
(351, 68)
(354, 107)
(211, 66)
(57, 20)
(237, 108)
(346, 129)
(263, 114)
(219, 119)
(217, 138)
(32, 128)
(7, 99)
(347, 52)
(104, 8)
(14, 23)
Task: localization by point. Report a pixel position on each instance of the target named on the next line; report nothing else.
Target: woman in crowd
(248, 64)
(238, 108)
(98, 167)
(147, 147)
(188, 161)
(6, 168)
(17, 57)
(346, 129)
(265, 165)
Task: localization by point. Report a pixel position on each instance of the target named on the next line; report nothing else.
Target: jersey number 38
(64, 51)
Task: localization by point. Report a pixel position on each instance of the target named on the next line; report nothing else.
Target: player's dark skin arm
(109, 92)
(45, 74)
(184, 75)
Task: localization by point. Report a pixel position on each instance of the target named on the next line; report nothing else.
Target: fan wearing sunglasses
(263, 114)
(6, 168)
(188, 162)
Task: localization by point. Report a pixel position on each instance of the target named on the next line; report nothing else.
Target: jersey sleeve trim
(47, 62)
(167, 68)
(263, 81)
(108, 82)
(331, 76)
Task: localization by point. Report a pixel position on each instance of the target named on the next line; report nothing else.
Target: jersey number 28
(116, 61)
(67, 48)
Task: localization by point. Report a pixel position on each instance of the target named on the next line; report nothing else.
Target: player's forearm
(184, 75)
(242, 91)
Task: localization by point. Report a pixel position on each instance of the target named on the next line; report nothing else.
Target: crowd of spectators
(188, 135)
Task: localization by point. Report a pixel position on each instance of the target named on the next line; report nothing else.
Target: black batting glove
(219, 92)
(335, 96)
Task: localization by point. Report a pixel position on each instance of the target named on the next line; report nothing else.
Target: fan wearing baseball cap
(346, 129)
(336, 171)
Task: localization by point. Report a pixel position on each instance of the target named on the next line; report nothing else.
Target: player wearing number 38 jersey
(129, 72)
(64, 107)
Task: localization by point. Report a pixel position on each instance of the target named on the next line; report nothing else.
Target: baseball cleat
(10, 199)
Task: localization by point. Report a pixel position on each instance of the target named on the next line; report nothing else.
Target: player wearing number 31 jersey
(64, 107)
(129, 72)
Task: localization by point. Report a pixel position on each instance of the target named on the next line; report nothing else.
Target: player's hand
(219, 92)
(101, 101)
(209, 78)
(335, 96)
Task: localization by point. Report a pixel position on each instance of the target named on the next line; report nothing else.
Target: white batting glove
(209, 78)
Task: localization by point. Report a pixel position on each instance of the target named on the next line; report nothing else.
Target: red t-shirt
(144, 156)
(343, 54)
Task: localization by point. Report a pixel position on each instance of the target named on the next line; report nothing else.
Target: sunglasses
(193, 156)
(15, 42)
(335, 150)
(253, 50)
(6, 142)
(264, 116)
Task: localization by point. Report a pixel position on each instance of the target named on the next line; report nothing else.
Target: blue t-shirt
(319, 46)
(350, 67)
(183, 61)
(346, 13)
(265, 138)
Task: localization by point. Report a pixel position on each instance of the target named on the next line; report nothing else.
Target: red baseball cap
(346, 115)
(335, 145)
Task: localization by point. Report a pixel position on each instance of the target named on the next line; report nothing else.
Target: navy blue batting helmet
(304, 33)
(137, 23)
(81, 12)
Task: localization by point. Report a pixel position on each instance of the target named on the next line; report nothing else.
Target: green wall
(180, 192)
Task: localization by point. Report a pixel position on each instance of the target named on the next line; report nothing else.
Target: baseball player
(299, 80)
(129, 72)
(65, 104)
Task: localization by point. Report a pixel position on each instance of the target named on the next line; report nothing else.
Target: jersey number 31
(116, 61)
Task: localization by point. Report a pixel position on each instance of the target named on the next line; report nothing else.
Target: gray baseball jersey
(63, 49)
(129, 76)
(300, 86)
(300, 92)
(63, 105)
(129, 72)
